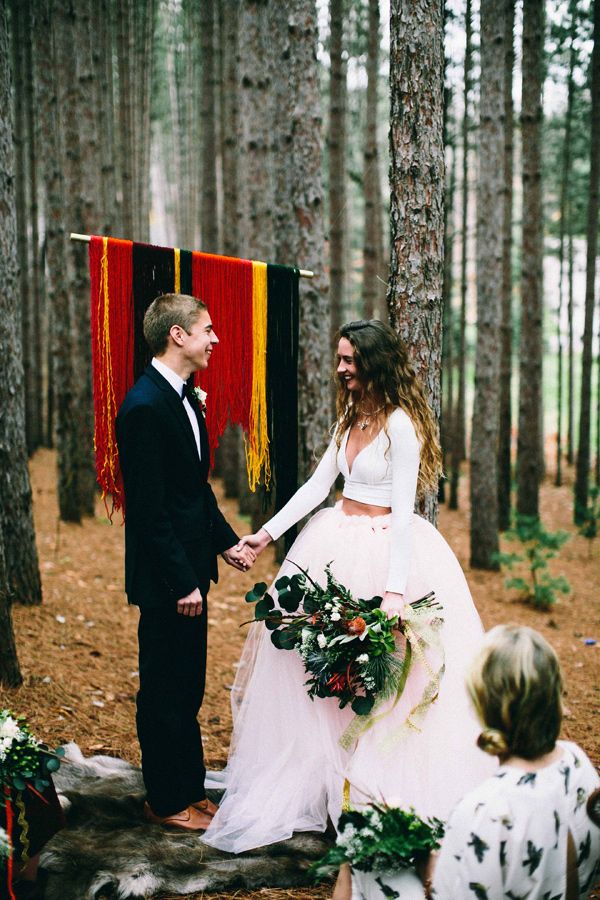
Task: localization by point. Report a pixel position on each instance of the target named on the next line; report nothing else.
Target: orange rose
(357, 625)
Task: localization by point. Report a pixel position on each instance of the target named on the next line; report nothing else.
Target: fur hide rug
(108, 851)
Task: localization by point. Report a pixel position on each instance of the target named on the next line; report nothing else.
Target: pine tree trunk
(229, 126)
(417, 179)
(79, 211)
(530, 367)
(459, 419)
(209, 225)
(102, 50)
(505, 425)
(570, 342)
(64, 390)
(490, 220)
(124, 31)
(448, 361)
(10, 672)
(19, 570)
(374, 276)
(337, 165)
(582, 469)
(39, 335)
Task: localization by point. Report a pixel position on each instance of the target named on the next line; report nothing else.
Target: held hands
(240, 557)
(393, 605)
(190, 605)
(255, 542)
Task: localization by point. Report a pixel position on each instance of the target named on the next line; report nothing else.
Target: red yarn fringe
(225, 285)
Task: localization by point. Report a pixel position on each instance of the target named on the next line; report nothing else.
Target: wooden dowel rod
(304, 273)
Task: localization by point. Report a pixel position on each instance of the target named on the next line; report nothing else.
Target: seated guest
(532, 829)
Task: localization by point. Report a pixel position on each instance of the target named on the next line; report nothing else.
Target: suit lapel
(175, 404)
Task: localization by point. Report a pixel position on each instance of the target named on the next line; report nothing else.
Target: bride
(287, 770)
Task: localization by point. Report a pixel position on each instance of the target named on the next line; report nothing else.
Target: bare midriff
(356, 508)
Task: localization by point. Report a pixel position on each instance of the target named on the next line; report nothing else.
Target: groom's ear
(177, 334)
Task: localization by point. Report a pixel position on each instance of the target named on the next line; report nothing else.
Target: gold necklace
(366, 416)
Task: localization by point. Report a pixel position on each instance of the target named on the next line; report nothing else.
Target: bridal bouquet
(24, 761)
(348, 645)
(380, 838)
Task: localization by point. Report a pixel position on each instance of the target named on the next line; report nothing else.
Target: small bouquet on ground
(380, 838)
(348, 645)
(4, 847)
(24, 761)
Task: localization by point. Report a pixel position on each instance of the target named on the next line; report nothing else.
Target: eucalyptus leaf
(362, 706)
(264, 607)
(282, 583)
(289, 601)
(53, 764)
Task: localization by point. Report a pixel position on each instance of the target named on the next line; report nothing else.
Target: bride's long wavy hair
(387, 376)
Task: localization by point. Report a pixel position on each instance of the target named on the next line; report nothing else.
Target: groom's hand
(190, 605)
(257, 542)
(240, 558)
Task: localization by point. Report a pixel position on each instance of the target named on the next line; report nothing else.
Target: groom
(173, 533)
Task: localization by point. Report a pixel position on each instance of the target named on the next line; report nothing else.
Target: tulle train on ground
(286, 768)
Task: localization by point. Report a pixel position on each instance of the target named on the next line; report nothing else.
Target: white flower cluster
(307, 644)
(9, 732)
(4, 845)
(321, 641)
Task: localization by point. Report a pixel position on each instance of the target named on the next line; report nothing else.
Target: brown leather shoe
(188, 819)
(206, 806)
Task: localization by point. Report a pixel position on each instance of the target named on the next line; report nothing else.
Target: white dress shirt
(177, 383)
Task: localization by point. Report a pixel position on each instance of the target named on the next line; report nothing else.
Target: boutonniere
(201, 398)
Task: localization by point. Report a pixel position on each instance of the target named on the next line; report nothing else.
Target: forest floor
(78, 649)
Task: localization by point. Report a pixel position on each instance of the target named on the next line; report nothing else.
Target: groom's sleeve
(141, 453)
(223, 534)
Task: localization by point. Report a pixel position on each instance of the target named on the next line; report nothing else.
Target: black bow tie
(187, 392)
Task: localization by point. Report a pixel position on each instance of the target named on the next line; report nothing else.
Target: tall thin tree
(582, 470)
(530, 355)
(563, 226)
(417, 184)
(209, 225)
(336, 141)
(490, 216)
(374, 276)
(459, 418)
(19, 570)
(505, 424)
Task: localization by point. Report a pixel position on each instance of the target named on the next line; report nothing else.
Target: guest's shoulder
(490, 800)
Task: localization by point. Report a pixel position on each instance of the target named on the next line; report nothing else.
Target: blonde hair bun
(493, 742)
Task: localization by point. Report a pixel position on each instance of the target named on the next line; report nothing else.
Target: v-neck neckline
(362, 450)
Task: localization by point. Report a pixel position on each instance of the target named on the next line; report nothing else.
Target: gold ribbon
(21, 819)
(420, 630)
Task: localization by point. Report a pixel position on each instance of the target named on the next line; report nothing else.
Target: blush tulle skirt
(286, 769)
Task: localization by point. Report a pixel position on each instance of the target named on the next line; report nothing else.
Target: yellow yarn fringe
(177, 256)
(22, 820)
(257, 444)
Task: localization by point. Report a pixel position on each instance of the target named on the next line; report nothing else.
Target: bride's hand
(393, 605)
(257, 541)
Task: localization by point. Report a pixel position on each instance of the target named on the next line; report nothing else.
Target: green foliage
(380, 838)
(538, 587)
(589, 518)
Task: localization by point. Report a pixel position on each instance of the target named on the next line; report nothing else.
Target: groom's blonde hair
(166, 311)
(516, 687)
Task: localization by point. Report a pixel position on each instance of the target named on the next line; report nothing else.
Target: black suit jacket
(173, 526)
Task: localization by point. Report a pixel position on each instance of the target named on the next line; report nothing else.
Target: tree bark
(505, 424)
(417, 182)
(374, 274)
(62, 337)
(10, 672)
(459, 418)
(209, 225)
(124, 31)
(582, 470)
(337, 165)
(530, 367)
(19, 570)
(448, 360)
(229, 126)
(564, 224)
(490, 220)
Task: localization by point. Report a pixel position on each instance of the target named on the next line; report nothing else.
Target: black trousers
(172, 664)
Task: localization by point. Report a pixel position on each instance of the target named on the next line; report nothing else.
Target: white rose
(363, 658)
(9, 728)
(321, 641)
(335, 617)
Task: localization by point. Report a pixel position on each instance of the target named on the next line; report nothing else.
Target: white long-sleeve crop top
(384, 473)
